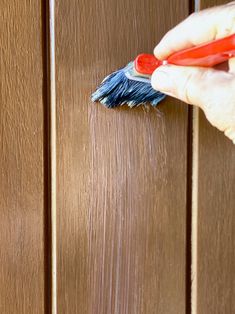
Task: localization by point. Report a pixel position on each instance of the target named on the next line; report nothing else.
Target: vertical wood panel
(121, 173)
(216, 217)
(21, 158)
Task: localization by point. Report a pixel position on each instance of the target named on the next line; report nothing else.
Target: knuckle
(187, 89)
(191, 86)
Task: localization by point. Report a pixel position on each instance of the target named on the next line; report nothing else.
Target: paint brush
(131, 85)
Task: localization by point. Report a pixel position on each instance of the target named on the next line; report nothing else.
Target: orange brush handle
(205, 55)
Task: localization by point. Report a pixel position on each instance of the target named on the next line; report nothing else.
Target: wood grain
(121, 173)
(21, 158)
(216, 217)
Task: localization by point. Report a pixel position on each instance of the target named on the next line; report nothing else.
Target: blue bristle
(117, 90)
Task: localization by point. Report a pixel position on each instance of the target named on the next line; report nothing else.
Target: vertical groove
(194, 236)
(46, 162)
(189, 212)
(49, 155)
(192, 199)
(194, 209)
(52, 101)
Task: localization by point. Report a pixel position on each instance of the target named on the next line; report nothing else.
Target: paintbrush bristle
(117, 90)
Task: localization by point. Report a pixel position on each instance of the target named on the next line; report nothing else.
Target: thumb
(194, 85)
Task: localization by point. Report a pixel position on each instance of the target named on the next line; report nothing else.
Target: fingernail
(163, 82)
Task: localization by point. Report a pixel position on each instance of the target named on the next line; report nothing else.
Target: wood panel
(121, 212)
(21, 158)
(216, 217)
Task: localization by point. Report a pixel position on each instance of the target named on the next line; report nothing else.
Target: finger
(193, 85)
(231, 64)
(230, 133)
(198, 28)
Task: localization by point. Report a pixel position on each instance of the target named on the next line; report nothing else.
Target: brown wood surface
(216, 217)
(121, 228)
(21, 158)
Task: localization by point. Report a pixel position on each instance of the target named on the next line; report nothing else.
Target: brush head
(125, 86)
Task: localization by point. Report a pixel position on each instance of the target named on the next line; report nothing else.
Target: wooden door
(98, 207)
(23, 175)
(121, 173)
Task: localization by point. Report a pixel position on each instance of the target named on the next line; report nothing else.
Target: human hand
(213, 89)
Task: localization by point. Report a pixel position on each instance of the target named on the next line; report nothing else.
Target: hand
(213, 90)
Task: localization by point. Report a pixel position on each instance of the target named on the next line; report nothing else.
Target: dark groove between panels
(188, 280)
(189, 212)
(47, 160)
